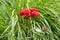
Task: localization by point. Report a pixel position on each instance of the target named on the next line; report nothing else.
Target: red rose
(36, 14)
(24, 12)
(27, 13)
(21, 13)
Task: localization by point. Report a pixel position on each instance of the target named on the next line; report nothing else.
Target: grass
(15, 27)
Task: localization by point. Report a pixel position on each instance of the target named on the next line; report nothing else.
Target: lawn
(44, 24)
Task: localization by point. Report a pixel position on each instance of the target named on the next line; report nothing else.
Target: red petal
(26, 12)
(36, 14)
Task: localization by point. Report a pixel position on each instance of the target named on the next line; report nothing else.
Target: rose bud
(33, 9)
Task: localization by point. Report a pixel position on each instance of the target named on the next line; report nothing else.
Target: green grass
(15, 27)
